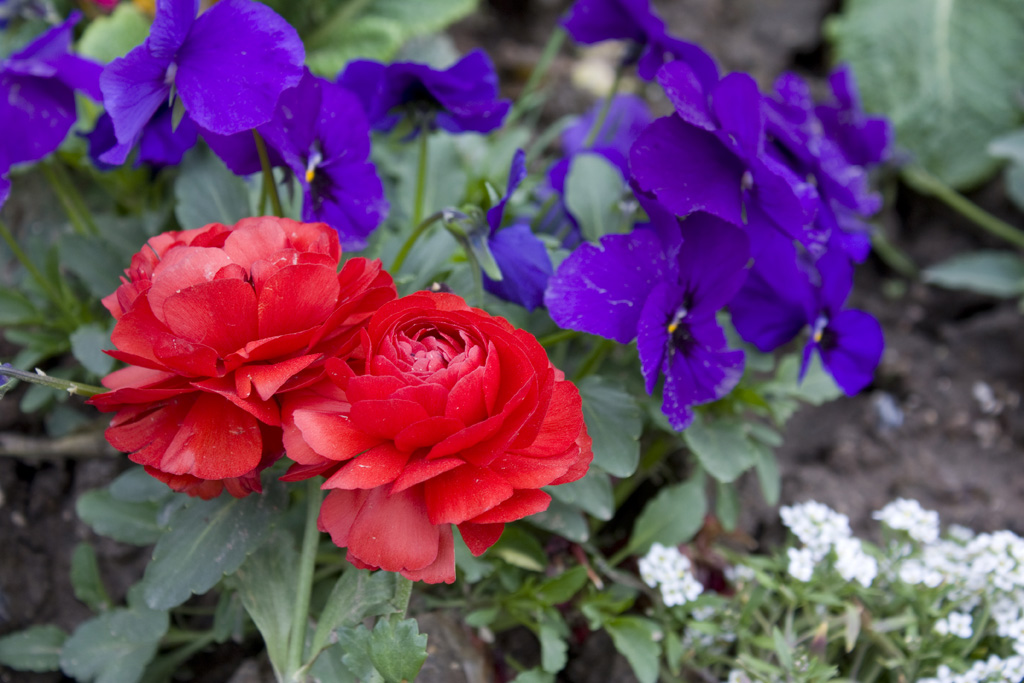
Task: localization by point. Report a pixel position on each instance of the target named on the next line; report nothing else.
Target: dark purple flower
(159, 145)
(662, 285)
(320, 132)
(595, 21)
(785, 293)
(229, 66)
(521, 256)
(710, 156)
(864, 139)
(37, 95)
(462, 98)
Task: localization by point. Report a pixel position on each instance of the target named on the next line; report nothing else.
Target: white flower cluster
(991, 670)
(822, 530)
(955, 624)
(907, 515)
(670, 570)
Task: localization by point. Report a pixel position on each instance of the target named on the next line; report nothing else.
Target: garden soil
(942, 422)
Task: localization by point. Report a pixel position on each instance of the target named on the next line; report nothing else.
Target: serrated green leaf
(357, 594)
(593, 190)
(563, 519)
(207, 192)
(107, 38)
(88, 343)
(115, 646)
(393, 652)
(635, 639)
(35, 649)
(614, 421)
(118, 519)
(995, 273)
(85, 578)
(946, 73)
(266, 583)
(722, 447)
(592, 494)
(206, 540)
(671, 517)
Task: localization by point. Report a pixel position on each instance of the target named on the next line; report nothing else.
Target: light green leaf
(727, 505)
(1014, 182)
(207, 192)
(118, 519)
(768, 474)
(15, 308)
(266, 583)
(592, 494)
(85, 578)
(367, 37)
(817, 387)
(671, 517)
(561, 588)
(393, 652)
(947, 74)
(635, 638)
(88, 343)
(554, 650)
(115, 646)
(107, 38)
(562, 519)
(614, 422)
(534, 676)
(1009, 147)
(35, 649)
(995, 273)
(473, 568)
(206, 540)
(520, 549)
(358, 594)
(94, 261)
(328, 667)
(136, 486)
(722, 446)
(593, 190)
(851, 626)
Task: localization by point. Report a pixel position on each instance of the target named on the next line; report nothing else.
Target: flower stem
(594, 359)
(307, 563)
(411, 240)
(924, 182)
(547, 58)
(269, 184)
(63, 196)
(606, 107)
(403, 591)
(76, 197)
(37, 377)
(421, 182)
(54, 294)
(558, 337)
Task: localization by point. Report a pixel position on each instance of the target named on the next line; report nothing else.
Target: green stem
(65, 201)
(478, 276)
(34, 272)
(73, 388)
(421, 182)
(927, 184)
(606, 107)
(547, 58)
(558, 337)
(891, 255)
(269, 184)
(411, 240)
(594, 359)
(403, 591)
(307, 563)
(75, 197)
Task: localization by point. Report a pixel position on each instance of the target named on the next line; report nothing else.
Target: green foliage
(393, 652)
(358, 594)
(593, 190)
(995, 273)
(35, 649)
(86, 580)
(109, 37)
(634, 637)
(946, 73)
(207, 192)
(672, 517)
(121, 520)
(721, 446)
(1011, 148)
(614, 422)
(266, 583)
(88, 343)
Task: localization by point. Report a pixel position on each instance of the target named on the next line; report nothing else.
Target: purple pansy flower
(521, 256)
(462, 98)
(228, 66)
(37, 95)
(864, 139)
(160, 143)
(662, 285)
(710, 156)
(785, 293)
(5, 189)
(595, 21)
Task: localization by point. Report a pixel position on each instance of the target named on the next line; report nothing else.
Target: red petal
(181, 268)
(442, 570)
(393, 532)
(418, 471)
(582, 463)
(146, 431)
(266, 412)
(332, 435)
(254, 240)
(297, 298)
(338, 512)
(480, 537)
(186, 483)
(464, 493)
(426, 433)
(562, 423)
(139, 333)
(375, 467)
(386, 418)
(467, 402)
(370, 387)
(219, 314)
(523, 503)
(524, 472)
(215, 441)
(300, 472)
(267, 379)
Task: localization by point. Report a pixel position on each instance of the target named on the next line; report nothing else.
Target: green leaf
(534, 676)
(593, 190)
(358, 594)
(393, 652)
(328, 667)
(16, 308)
(562, 519)
(851, 626)
(115, 646)
(768, 474)
(1009, 147)
(88, 343)
(782, 649)
(592, 494)
(554, 650)
(206, 540)
(136, 486)
(563, 587)
(1014, 182)
(85, 578)
(520, 549)
(94, 261)
(266, 583)
(995, 273)
(207, 192)
(817, 387)
(721, 445)
(365, 38)
(472, 567)
(635, 638)
(614, 421)
(118, 519)
(946, 73)
(107, 38)
(671, 517)
(727, 505)
(35, 649)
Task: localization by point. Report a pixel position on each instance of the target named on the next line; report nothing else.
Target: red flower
(214, 324)
(443, 415)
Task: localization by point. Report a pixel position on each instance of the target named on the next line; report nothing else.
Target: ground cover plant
(375, 335)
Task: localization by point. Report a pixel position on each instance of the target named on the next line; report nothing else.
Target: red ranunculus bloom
(443, 415)
(214, 324)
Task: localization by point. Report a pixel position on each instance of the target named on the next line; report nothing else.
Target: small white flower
(942, 627)
(853, 564)
(801, 563)
(907, 515)
(737, 676)
(960, 624)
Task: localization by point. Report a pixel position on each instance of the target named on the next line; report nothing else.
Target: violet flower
(865, 140)
(37, 95)
(5, 189)
(662, 285)
(229, 66)
(595, 21)
(710, 156)
(786, 293)
(160, 143)
(462, 98)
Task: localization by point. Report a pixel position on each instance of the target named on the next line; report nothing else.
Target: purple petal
(601, 289)
(851, 349)
(836, 274)
(594, 21)
(364, 79)
(170, 28)
(736, 102)
(787, 200)
(238, 59)
(652, 334)
(524, 263)
(304, 113)
(627, 116)
(51, 44)
(688, 169)
(342, 128)
(161, 145)
(689, 53)
(703, 376)
(687, 95)
(80, 74)
(712, 261)
(516, 174)
(5, 189)
(35, 115)
(776, 300)
(133, 88)
(349, 197)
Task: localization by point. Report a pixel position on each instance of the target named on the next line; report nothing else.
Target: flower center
(818, 330)
(680, 314)
(171, 73)
(315, 159)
